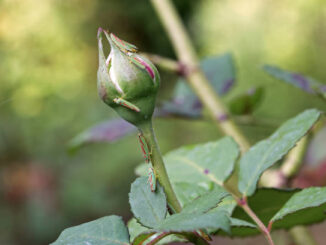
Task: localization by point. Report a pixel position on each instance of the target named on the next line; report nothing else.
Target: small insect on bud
(126, 81)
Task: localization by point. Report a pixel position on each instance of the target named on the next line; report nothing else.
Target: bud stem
(147, 131)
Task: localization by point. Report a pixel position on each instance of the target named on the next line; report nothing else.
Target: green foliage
(148, 207)
(267, 152)
(48, 96)
(238, 222)
(139, 234)
(187, 192)
(107, 230)
(135, 228)
(191, 222)
(198, 173)
(205, 202)
(213, 161)
(239, 228)
(265, 202)
(307, 198)
(195, 214)
(187, 167)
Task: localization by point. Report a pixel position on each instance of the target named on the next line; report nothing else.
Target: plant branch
(165, 63)
(243, 203)
(160, 171)
(147, 132)
(158, 165)
(197, 80)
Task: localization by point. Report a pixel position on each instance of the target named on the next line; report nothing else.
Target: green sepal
(119, 77)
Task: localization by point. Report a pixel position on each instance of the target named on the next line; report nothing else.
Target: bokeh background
(48, 63)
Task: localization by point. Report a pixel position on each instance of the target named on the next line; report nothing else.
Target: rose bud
(126, 81)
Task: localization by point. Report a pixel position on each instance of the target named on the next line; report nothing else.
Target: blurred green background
(48, 63)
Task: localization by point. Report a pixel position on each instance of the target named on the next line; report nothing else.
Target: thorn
(242, 201)
(270, 224)
(99, 32)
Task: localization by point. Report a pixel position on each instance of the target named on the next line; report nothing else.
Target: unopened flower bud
(126, 81)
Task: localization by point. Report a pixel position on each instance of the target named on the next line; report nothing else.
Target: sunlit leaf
(148, 207)
(267, 152)
(107, 230)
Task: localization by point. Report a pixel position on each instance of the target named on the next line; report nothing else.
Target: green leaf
(240, 228)
(265, 203)
(139, 234)
(307, 198)
(228, 204)
(213, 161)
(187, 192)
(206, 201)
(267, 152)
(196, 221)
(199, 214)
(239, 222)
(246, 103)
(107, 230)
(307, 84)
(135, 228)
(148, 207)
